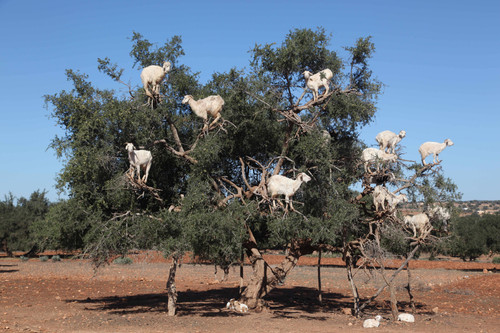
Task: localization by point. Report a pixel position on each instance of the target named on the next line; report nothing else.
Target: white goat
(139, 159)
(318, 80)
(394, 200)
(440, 215)
(433, 148)
(279, 184)
(381, 195)
(370, 323)
(371, 155)
(406, 317)
(388, 140)
(419, 222)
(236, 306)
(211, 105)
(153, 75)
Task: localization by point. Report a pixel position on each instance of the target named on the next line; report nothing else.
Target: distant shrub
(56, 258)
(496, 260)
(23, 258)
(123, 261)
(44, 258)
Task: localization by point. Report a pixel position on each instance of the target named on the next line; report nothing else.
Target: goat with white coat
(440, 216)
(236, 306)
(388, 140)
(152, 76)
(318, 80)
(371, 155)
(381, 195)
(372, 322)
(419, 222)
(211, 105)
(139, 159)
(434, 148)
(406, 317)
(278, 184)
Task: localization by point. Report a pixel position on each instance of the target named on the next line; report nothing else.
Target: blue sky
(439, 61)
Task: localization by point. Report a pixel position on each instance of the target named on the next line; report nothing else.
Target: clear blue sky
(440, 61)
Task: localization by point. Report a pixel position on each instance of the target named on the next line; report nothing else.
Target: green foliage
(106, 217)
(496, 260)
(56, 258)
(474, 235)
(44, 258)
(17, 216)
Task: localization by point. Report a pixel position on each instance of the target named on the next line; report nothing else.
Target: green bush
(123, 261)
(23, 258)
(56, 258)
(496, 260)
(44, 258)
(474, 235)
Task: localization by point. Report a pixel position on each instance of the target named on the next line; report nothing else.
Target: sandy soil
(68, 296)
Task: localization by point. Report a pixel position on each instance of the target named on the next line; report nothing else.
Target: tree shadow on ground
(296, 302)
(8, 270)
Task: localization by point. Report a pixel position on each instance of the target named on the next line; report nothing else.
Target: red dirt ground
(66, 296)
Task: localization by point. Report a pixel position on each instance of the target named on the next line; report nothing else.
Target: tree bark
(408, 288)
(171, 289)
(5, 248)
(320, 295)
(262, 282)
(355, 295)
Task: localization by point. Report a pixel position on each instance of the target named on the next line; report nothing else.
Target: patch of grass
(44, 258)
(496, 260)
(56, 258)
(23, 258)
(123, 261)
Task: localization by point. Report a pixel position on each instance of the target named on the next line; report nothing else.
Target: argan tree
(206, 191)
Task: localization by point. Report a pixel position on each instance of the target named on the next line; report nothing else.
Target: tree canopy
(206, 191)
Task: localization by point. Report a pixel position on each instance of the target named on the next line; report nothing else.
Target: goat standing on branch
(388, 140)
(318, 80)
(279, 184)
(152, 76)
(433, 148)
(211, 105)
(374, 155)
(139, 159)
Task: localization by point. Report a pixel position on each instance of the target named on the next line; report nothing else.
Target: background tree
(17, 218)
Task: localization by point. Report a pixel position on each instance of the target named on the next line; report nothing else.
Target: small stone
(347, 311)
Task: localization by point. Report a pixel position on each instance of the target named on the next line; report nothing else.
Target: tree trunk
(5, 248)
(408, 288)
(355, 295)
(171, 290)
(394, 301)
(410, 255)
(320, 295)
(261, 282)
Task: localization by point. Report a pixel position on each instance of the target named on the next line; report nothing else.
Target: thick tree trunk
(264, 278)
(171, 289)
